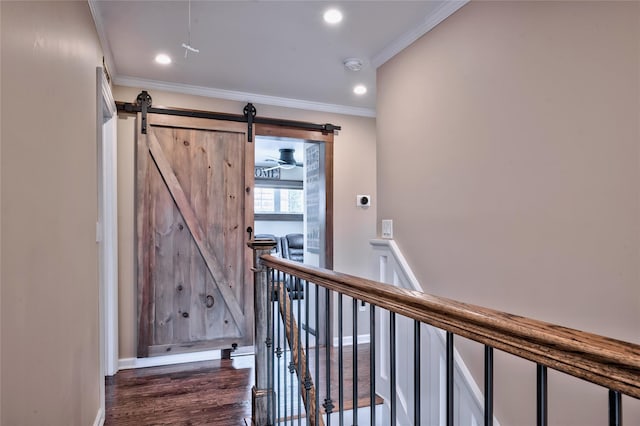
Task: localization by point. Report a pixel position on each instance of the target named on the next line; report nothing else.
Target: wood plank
(233, 217)
(598, 359)
(182, 287)
(249, 184)
(202, 283)
(328, 185)
(195, 229)
(218, 320)
(196, 123)
(143, 241)
(291, 132)
(163, 271)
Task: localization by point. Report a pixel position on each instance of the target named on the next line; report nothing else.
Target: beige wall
(354, 173)
(508, 158)
(50, 357)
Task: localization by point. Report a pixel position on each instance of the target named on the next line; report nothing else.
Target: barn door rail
(604, 361)
(144, 106)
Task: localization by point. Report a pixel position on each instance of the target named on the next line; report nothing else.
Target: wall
(354, 173)
(50, 358)
(508, 158)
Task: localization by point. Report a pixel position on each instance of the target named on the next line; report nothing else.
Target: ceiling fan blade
(272, 168)
(274, 160)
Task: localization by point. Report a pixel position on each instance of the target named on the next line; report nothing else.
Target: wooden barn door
(194, 203)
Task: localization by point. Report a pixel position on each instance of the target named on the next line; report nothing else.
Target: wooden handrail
(608, 362)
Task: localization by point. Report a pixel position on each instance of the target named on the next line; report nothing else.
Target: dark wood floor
(215, 392)
(201, 393)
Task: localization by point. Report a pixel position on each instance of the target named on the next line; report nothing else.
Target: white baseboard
(99, 421)
(156, 361)
(348, 340)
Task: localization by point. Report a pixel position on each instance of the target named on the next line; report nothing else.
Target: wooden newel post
(261, 300)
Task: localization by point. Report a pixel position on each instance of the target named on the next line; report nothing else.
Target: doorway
(293, 208)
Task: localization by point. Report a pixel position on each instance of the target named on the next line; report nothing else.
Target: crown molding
(440, 14)
(242, 96)
(102, 36)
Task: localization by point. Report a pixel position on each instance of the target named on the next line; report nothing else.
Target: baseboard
(348, 340)
(156, 361)
(99, 421)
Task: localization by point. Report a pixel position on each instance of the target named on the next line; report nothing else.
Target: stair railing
(604, 361)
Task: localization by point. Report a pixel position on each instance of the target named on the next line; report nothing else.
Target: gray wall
(50, 351)
(508, 158)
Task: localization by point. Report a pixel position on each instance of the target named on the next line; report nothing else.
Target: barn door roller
(144, 102)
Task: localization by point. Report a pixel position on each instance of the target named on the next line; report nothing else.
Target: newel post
(261, 343)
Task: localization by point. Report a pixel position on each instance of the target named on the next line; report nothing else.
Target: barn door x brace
(144, 106)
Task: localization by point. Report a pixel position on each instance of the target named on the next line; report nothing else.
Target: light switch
(387, 228)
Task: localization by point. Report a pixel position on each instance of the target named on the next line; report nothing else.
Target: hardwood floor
(217, 392)
(201, 393)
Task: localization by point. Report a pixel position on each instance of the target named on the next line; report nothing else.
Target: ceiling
(269, 52)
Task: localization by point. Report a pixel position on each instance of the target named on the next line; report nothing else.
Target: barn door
(194, 203)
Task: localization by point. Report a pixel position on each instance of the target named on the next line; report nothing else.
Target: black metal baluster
(340, 364)
(278, 353)
(270, 325)
(300, 375)
(292, 366)
(317, 353)
(328, 404)
(284, 359)
(307, 377)
(541, 387)
(416, 368)
(615, 408)
(354, 346)
(488, 385)
(450, 366)
(392, 365)
(372, 362)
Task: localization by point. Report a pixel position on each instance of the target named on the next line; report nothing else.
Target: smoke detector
(352, 64)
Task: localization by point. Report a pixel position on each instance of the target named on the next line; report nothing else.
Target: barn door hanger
(144, 102)
(249, 113)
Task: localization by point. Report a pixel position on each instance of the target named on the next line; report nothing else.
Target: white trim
(434, 18)
(400, 259)
(405, 269)
(156, 361)
(99, 420)
(231, 95)
(102, 36)
(108, 222)
(348, 340)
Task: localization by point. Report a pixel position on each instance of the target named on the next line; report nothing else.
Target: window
(279, 200)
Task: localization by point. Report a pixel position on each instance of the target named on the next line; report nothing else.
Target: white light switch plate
(387, 228)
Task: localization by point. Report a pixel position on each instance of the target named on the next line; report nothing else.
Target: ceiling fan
(286, 161)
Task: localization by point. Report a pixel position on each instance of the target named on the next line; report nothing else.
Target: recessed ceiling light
(332, 16)
(163, 59)
(360, 89)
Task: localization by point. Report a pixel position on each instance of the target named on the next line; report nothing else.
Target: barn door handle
(209, 301)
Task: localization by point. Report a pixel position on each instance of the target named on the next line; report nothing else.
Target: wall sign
(266, 172)
(312, 198)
